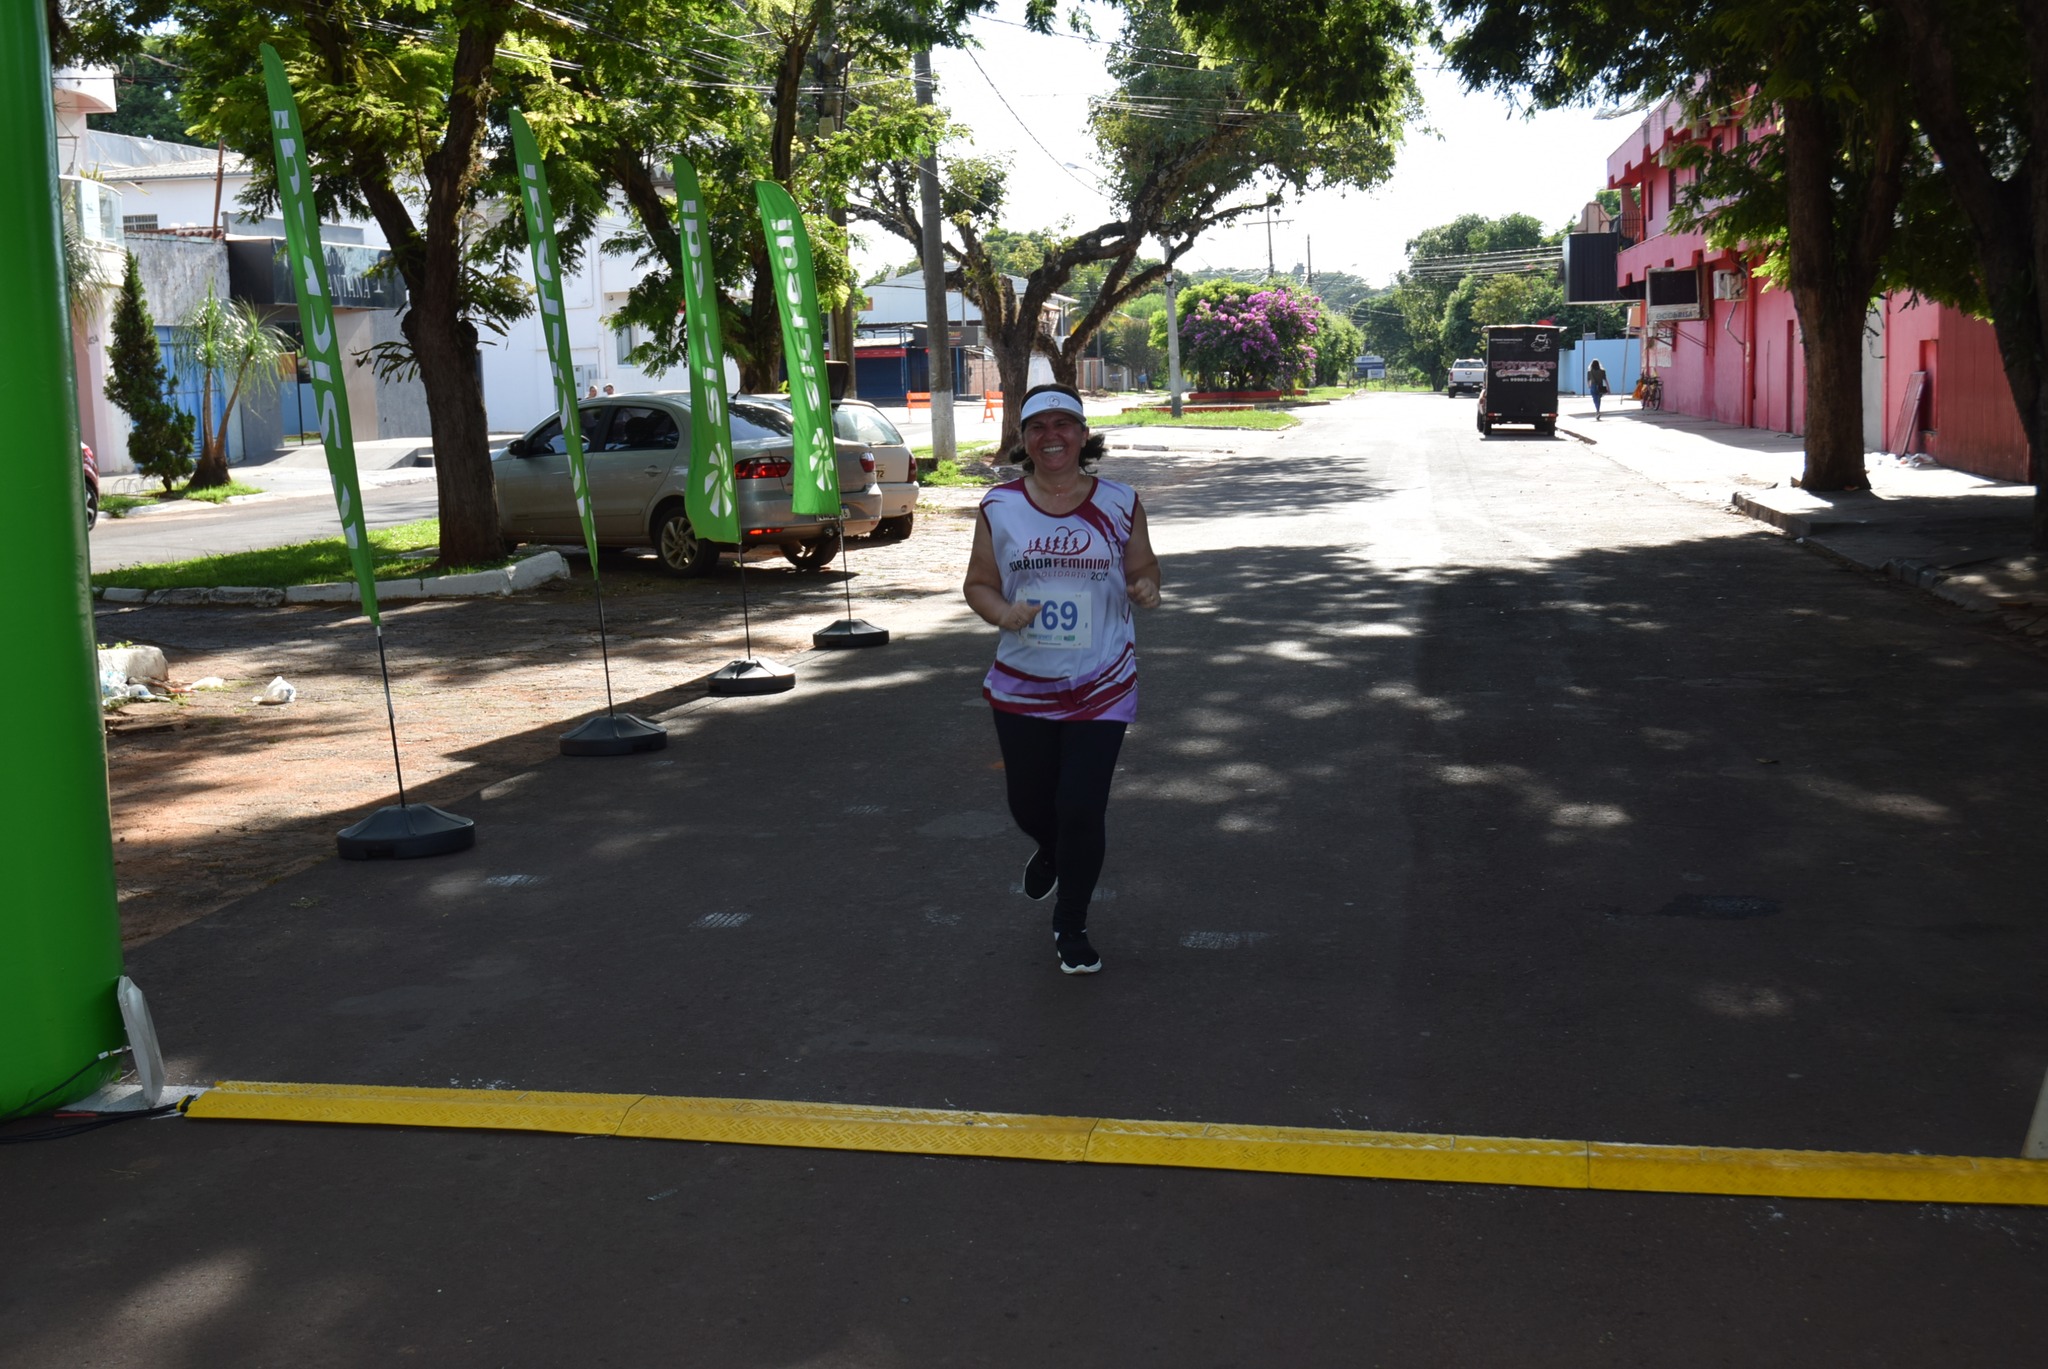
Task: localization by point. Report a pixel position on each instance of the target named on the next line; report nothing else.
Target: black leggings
(1058, 773)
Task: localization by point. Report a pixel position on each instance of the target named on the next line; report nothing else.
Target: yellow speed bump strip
(1275, 1150)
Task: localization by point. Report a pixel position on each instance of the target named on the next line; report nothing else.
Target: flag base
(752, 676)
(613, 734)
(402, 831)
(848, 633)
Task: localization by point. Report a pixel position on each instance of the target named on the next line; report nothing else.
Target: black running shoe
(1040, 878)
(1076, 955)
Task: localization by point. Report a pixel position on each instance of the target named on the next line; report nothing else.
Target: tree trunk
(2008, 214)
(446, 348)
(212, 470)
(1066, 365)
(1012, 346)
(1832, 298)
(761, 335)
(1834, 394)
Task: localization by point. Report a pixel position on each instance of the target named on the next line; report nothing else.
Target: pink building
(1726, 347)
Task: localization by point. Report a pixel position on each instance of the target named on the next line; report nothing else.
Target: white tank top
(1078, 659)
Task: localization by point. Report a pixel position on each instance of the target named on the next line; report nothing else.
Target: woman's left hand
(1144, 592)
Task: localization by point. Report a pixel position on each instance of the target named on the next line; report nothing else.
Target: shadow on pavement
(1659, 842)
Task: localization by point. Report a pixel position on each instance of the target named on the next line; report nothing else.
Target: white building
(518, 379)
(890, 348)
(93, 211)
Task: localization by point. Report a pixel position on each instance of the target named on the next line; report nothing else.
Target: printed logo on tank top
(1065, 547)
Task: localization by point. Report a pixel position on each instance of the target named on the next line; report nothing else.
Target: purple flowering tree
(1243, 337)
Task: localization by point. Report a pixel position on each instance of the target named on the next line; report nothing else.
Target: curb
(1914, 574)
(520, 575)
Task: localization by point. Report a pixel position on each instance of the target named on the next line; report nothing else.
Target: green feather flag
(554, 323)
(320, 345)
(713, 512)
(815, 482)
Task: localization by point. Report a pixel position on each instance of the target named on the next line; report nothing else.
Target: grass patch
(401, 552)
(217, 494)
(118, 504)
(966, 449)
(1265, 420)
(949, 473)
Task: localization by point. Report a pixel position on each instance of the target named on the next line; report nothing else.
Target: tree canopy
(1192, 136)
(1827, 152)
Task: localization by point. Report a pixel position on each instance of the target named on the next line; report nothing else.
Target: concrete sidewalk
(1961, 537)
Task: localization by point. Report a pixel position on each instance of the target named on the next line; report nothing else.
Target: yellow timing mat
(1088, 1140)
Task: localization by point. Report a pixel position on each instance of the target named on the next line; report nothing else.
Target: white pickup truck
(1466, 374)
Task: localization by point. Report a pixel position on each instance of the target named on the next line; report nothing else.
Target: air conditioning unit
(1730, 285)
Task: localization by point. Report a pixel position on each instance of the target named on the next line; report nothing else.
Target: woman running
(1059, 558)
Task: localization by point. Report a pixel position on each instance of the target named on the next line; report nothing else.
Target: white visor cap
(1048, 400)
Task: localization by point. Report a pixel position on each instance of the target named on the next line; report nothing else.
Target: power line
(1027, 128)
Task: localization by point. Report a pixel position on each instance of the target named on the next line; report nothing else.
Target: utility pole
(1271, 271)
(938, 350)
(1309, 269)
(831, 69)
(1172, 342)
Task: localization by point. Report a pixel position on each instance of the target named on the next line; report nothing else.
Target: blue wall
(1623, 358)
(887, 380)
(188, 388)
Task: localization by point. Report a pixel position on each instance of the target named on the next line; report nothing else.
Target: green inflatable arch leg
(60, 936)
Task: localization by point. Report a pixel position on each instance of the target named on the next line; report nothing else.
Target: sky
(1025, 96)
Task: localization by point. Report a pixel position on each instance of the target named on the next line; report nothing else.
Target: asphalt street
(302, 511)
(1480, 787)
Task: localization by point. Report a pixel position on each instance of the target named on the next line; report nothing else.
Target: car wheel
(92, 509)
(896, 529)
(1485, 428)
(678, 547)
(815, 554)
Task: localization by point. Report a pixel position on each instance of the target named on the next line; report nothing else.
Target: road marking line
(1198, 1145)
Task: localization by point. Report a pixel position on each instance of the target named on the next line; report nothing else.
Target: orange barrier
(918, 399)
(991, 404)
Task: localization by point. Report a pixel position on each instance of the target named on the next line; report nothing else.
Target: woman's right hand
(1018, 616)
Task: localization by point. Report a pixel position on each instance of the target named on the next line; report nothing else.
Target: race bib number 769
(1062, 624)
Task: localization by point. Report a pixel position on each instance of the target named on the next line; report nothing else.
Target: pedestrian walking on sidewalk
(1060, 557)
(1596, 385)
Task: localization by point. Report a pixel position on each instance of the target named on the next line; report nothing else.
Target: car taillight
(761, 468)
(867, 463)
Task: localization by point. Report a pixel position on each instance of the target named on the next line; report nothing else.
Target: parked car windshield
(641, 428)
(547, 438)
(752, 422)
(858, 423)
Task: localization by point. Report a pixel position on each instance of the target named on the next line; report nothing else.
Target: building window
(138, 223)
(623, 340)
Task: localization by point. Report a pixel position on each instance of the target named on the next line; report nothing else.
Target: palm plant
(85, 279)
(235, 348)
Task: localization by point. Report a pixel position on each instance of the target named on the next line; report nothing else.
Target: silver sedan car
(855, 420)
(637, 450)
